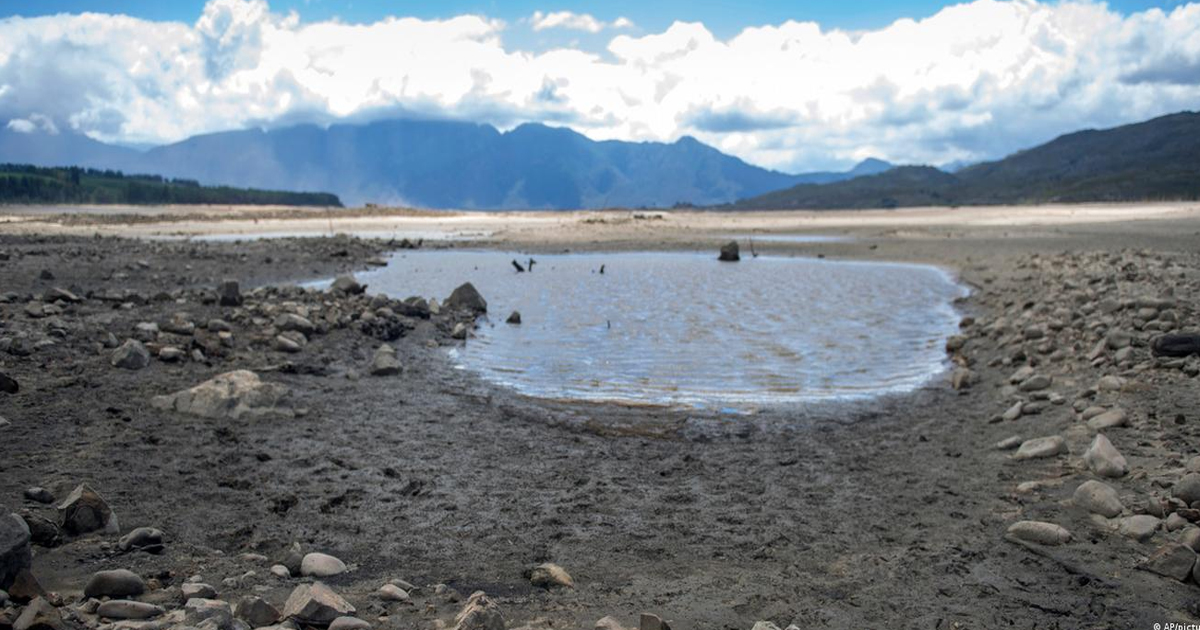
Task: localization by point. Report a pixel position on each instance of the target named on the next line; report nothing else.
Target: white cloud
(541, 21)
(35, 122)
(975, 80)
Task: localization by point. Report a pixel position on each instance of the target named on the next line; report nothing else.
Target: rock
(385, 363)
(1009, 443)
(1013, 412)
(131, 355)
(171, 354)
(349, 623)
(291, 321)
(1021, 374)
(8, 384)
(1039, 532)
(15, 551)
(146, 539)
(392, 593)
(1176, 345)
(55, 294)
(513, 318)
(764, 625)
(293, 558)
(84, 510)
(42, 531)
(198, 590)
(347, 285)
(1103, 458)
(229, 293)
(1099, 498)
(1172, 560)
(1191, 538)
(649, 621)
(1139, 527)
(232, 395)
(321, 565)
(288, 343)
(1037, 382)
(729, 252)
(1041, 447)
(609, 623)
(316, 604)
(256, 611)
(1110, 383)
(549, 575)
(1109, 419)
(127, 609)
(479, 613)
(1175, 522)
(963, 378)
(461, 330)
(25, 587)
(466, 298)
(210, 614)
(280, 571)
(115, 583)
(1118, 339)
(1187, 489)
(39, 615)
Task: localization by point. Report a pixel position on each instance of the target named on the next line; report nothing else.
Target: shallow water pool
(682, 328)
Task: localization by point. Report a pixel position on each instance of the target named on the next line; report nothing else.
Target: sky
(794, 86)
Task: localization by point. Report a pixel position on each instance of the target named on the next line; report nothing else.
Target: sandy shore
(892, 512)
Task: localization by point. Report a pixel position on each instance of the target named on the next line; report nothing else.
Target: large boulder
(729, 252)
(315, 604)
(347, 285)
(1176, 345)
(84, 510)
(385, 363)
(466, 298)
(15, 552)
(233, 395)
(39, 615)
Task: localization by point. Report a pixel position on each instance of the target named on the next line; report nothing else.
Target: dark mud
(882, 514)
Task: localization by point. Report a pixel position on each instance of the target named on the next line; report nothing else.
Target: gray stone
(289, 343)
(347, 285)
(15, 551)
(1103, 458)
(649, 621)
(84, 510)
(392, 593)
(1191, 537)
(608, 623)
(127, 609)
(729, 252)
(385, 363)
(291, 321)
(131, 355)
(466, 298)
(1037, 382)
(321, 565)
(1172, 560)
(1110, 383)
(1099, 498)
(1187, 489)
(39, 494)
(1140, 527)
(8, 384)
(39, 615)
(1041, 447)
(115, 583)
(1039, 532)
(513, 318)
(1112, 418)
(146, 539)
(479, 613)
(1009, 443)
(198, 590)
(348, 623)
(229, 293)
(315, 604)
(233, 395)
(256, 611)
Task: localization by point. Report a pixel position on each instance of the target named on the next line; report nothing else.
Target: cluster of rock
(1090, 332)
(219, 324)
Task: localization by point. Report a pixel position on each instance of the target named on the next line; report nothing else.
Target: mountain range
(1158, 159)
(437, 164)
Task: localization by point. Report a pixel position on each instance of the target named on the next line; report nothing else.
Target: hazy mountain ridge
(1158, 159)
(438, 164)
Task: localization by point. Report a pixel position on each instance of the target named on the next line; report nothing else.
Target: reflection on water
(685, 328)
